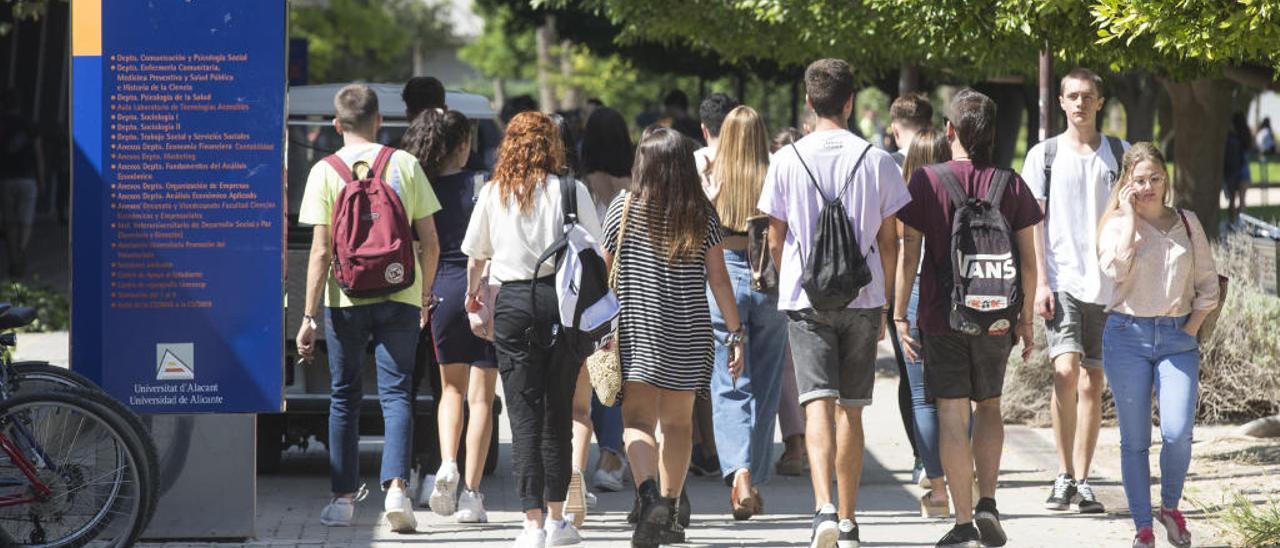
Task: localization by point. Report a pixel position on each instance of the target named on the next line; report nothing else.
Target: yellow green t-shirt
(404, 175)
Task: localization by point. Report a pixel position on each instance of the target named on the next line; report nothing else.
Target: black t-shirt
(457, 194)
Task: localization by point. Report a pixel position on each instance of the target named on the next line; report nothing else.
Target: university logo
(175, 362)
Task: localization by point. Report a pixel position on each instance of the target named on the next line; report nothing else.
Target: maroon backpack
(372, 242)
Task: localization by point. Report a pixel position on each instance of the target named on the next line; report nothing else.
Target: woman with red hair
(517, 216)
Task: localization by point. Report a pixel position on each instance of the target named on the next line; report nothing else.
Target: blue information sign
(178, 213)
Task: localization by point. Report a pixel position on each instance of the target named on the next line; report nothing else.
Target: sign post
(178, 234)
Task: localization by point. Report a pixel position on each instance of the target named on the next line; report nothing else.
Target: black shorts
(450, 328)
(965, 366)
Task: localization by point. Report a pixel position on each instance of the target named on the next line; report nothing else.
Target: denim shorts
(1076, 327)
(834, 353)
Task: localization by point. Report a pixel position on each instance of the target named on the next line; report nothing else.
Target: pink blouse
(1161, 273)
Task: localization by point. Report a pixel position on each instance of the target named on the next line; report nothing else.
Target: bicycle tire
(22, 373)
(123, 499)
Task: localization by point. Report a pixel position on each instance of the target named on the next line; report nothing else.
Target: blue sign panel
(178, 214)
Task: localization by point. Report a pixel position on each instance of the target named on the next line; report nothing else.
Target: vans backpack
(986, 291)
(372, 242)
(588, 306)
(836, 270)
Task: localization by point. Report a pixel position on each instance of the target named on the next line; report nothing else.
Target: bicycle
(74, 469)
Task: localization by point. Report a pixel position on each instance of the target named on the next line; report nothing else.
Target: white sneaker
(338, 513)
(400, 511)
(531, 538)
(610, 480)
(341, 511)
(592, 501)
(471, 507)
(561, 533)
(443, 501)
(424, 491)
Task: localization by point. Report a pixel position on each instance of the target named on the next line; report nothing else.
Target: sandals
(931, 509)
(748, 506)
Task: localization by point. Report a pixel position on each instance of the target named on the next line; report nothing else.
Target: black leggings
(538, 384)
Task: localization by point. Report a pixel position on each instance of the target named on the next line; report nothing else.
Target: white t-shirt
(1080, 188)
(513, 240)
(876, 192)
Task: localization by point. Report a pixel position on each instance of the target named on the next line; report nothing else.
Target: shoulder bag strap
(569, 199)
(812, 179)
(617, 249)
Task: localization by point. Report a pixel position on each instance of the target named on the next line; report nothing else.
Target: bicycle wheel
(26, 377)
(87, 458)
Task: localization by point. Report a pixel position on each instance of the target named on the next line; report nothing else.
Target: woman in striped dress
(669, 250)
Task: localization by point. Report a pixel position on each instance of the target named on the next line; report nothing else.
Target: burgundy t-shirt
(930, 212)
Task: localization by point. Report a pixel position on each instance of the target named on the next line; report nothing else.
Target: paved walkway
(289, 503)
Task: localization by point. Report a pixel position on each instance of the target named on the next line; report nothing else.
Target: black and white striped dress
(665, 336)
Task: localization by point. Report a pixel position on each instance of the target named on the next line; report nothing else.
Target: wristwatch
(311, 320)
(734, 338)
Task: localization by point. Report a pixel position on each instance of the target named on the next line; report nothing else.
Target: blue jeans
(1139, 355)
(744, 417)
(607, 422)
(394, 329)
(924, 413)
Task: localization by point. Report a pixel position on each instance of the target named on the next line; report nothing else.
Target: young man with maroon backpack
(979, 273)
(367, 202)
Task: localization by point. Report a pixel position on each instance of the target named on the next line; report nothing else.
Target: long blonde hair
(929, 147)
(742, 158)
(1137, 153)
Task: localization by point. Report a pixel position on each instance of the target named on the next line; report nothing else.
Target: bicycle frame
(28, 469)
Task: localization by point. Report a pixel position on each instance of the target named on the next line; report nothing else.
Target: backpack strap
(1050, 152)
(380, 162)
(951, 183)
(344, 171)
(812, 179)
(1117, 151)
(999, 182)
(848, 180)
(569, 199)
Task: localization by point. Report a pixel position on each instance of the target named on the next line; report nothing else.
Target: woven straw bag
(604, 366)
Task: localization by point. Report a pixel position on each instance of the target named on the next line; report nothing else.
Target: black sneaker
(703, 465)
(1064, 490)
(987, 518)
(634, 515)
(963, 535)
(1086, 501)
(655, 516)
(848, 537)
(825, 529)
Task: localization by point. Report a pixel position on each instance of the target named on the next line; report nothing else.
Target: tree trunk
(1201, 116)
(1139, 92)
(1009, 105)
(499, 93)
(908, 79)
(544, 37)
(572, 92)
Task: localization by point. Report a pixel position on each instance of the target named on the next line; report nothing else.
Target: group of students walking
(736, 264)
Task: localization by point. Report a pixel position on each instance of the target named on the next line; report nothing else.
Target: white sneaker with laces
(400, 511)
(338, 513)
(610, 480)
(341, 510)
(561, 533)
(443, 494)
(424, 491)
(531, 538)
(471, 507)
(592, 501)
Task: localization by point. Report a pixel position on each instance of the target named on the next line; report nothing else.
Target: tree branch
(1253, 76)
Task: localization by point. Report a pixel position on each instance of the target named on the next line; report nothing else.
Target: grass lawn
(1270, 214)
